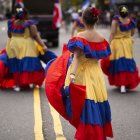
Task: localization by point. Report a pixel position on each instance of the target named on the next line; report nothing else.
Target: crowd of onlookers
(105, 18)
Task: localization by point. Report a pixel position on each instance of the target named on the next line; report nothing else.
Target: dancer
(19, 62)
(120, 67)
(78, 24)
(75, 84)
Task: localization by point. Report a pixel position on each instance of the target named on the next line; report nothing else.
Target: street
(17, 108)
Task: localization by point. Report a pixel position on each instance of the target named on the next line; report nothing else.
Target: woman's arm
(73, 28)
(113, 30)
(132, 31)
(9, 34)
(74, 64)
(35, 35)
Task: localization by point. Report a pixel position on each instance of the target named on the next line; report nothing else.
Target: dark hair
(80, 12)
(123, 11)
(88, 18)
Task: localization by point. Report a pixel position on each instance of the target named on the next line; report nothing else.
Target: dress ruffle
(97, 50)
(91, 119)
(19, 28)
(6, 79)
(121, 72)
(25, 71)
(121, 65)
(125, 27)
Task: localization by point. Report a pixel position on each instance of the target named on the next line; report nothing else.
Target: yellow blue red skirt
(20, 62)
(84, 103)
(120, 66)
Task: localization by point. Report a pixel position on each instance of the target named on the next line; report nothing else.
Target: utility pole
(13, 6)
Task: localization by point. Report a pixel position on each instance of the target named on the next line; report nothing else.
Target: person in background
(138, 23)
(20, 65)
(74, 15)
(78, 25)
(120, 67)
(75, 80)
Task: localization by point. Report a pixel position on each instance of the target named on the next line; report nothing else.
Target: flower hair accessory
(95, 12)
(19, 9)
(124, 10)
(20, 13)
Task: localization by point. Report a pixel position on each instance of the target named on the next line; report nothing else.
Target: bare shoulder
(33, 26)
(114, 22)
(80, 34)
(100, 37)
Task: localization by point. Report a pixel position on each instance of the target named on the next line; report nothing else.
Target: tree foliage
(66, 4)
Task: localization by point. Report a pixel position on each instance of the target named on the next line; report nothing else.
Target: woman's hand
(72, 78)
(45, 48)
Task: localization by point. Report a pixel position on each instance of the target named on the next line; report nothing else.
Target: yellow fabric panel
(40, 49)
(90, 75)
(122, 47)
(80, 29)
(21, 45)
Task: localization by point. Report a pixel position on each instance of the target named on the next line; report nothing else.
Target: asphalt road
(17, 111)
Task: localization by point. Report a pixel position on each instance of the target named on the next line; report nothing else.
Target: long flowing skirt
(88, 113)
(120, 67)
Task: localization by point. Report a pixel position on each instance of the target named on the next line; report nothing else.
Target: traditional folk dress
(120, 66)
(19, 62)
(83, 103)
(80, 26)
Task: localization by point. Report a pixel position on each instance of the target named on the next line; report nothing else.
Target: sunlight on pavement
(57, 124)
(3, 28)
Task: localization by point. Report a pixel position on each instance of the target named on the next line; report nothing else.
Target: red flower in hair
(95, 12)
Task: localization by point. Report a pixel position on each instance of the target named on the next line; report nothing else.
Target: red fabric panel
(93, 132)
(26, 78)
(3, 51)
(105, 64)
(97, 46)
(129, 79)
(55, 78)
(77, 93)
(6, 80)
(64, 48)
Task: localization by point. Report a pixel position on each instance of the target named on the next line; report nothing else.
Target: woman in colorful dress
(75, 84)
(120, 67)
(19, 62)
(78, 25)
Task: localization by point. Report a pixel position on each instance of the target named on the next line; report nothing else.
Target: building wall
(5, 4)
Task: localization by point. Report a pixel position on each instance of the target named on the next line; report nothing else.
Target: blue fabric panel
(122, 65)
(89, 53)
(27, 64)
(4, 58)
(96, 113)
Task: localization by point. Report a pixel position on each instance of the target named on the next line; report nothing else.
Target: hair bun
(95, 11)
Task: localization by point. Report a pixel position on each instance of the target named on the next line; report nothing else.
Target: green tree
(66, 4)
(102, 5)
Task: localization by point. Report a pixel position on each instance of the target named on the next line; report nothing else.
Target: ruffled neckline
(19, 28)
(125, 27)
(85, 40)
(93, 45)
(91, 49)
